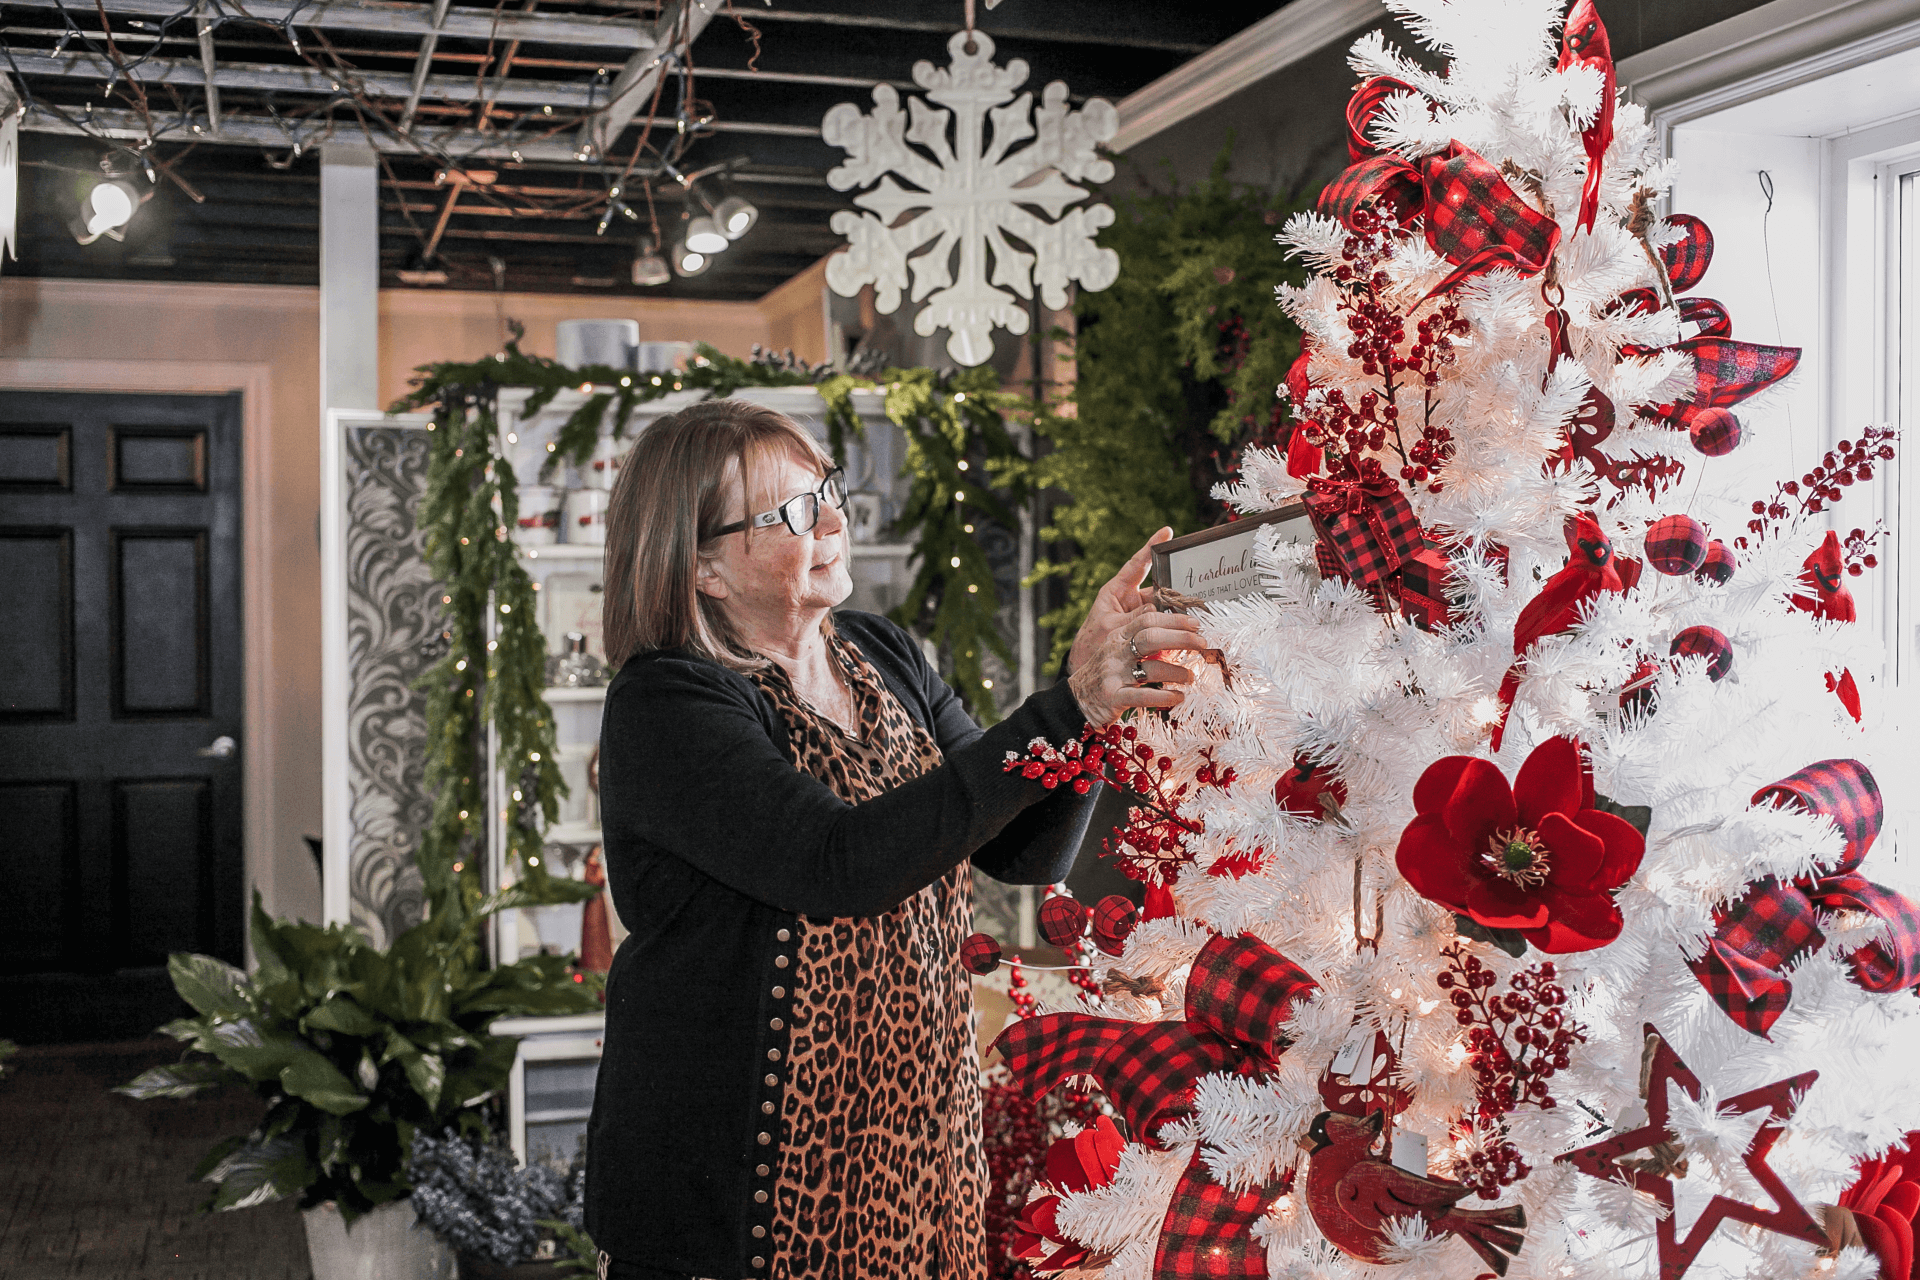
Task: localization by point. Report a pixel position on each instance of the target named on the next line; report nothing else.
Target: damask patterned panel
(393, 634)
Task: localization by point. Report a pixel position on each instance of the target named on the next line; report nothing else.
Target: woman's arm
(687, 767)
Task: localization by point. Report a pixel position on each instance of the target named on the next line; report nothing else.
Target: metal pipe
(398, 17)
(423, 65)
(208, 65)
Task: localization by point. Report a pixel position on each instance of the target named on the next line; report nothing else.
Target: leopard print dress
(881, 1170)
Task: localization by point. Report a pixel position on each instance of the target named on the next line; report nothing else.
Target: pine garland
(957, 440)
(1177, 365)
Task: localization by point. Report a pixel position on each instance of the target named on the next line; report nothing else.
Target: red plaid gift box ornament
(1240, 992)
(1676, 545)
(1367, 527)
(1706, 642)
(1774, 923)
(1426, 586)
(1114, 919)
(1719, 565)
(1714, 432)
(1063, 921)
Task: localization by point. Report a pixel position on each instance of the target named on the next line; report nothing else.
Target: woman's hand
(1116, 644)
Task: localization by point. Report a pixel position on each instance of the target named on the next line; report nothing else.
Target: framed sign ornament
(1217, 563)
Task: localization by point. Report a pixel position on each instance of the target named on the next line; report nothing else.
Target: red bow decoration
(1362, 107)
(1780, 1100)
(1473, 218)
(1088, 1159)
(1584, 43)
(1368, 526)
(1756, 938)
(1590, 570)
(1239, 994)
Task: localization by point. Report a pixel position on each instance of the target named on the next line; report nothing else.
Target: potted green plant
(357, 1049)
(504, 1220)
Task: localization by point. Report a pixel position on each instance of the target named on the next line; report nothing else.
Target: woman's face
(767, 575)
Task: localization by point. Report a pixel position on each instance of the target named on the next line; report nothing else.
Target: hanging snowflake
(972, 196)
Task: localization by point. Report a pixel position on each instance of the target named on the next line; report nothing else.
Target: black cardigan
(715, 844)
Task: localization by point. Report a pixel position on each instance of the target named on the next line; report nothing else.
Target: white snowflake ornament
(972, 194)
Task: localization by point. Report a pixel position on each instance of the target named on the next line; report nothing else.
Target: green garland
(1176, 368)
(954, 423)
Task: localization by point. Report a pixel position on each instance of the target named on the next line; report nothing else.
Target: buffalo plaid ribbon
(1686, 260)
(1369, 526)
(1473, 218)
(1361, 109)
(1426, 582)
(1239, 993)
(1207, 1234)
(1774, 922)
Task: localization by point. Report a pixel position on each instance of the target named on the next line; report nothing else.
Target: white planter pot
(390, 1243)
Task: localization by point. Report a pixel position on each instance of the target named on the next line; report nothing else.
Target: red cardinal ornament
(1584, 44)
(1590, 570)
(1353, 1193)
(1821, 573)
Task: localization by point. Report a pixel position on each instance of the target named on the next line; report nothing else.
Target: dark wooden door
(120, 705)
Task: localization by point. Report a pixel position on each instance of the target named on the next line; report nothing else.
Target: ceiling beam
(423, 64)
(632, 89)
(1078, 36)
(455, 146)
(396, 17)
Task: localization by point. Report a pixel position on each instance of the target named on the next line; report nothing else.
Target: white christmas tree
(1480, 312)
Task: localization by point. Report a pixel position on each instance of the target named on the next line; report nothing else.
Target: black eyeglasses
(800, 512)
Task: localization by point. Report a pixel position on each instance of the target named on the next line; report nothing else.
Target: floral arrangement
(484, 1203)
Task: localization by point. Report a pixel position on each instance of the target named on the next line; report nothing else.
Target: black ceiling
(256, 218)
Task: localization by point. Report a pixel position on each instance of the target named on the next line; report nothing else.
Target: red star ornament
(1781, 1099)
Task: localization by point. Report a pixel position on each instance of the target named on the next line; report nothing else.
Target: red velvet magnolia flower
(1088, 1159)
(1536, 857)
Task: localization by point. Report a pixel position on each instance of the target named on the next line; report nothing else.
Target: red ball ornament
(1705, 642)
(980, 954)
(1719, 565)
(1714, 432)
(1062, 921)
(1677, 544)
(1113, 920)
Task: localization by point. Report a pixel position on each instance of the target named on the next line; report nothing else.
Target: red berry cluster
(1857, 549)
(1153, 843)
(1349, 429)
(1531, 1013)
(1848, 464)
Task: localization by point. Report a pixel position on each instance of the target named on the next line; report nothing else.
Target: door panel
(36, 651)
(163, 868)
(39, 853)
(120, 662)
(160, 641)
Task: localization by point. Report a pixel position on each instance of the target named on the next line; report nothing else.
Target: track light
(649, 268)
(108, 207)
(705, 236)
(688, 261)
(736, 216)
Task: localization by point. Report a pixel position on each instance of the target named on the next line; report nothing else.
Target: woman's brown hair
(671, 496)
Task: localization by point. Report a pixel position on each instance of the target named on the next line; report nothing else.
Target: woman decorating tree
(791, 801)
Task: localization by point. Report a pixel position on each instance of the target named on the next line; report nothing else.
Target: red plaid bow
(1757, 937)
(1239, 994)
(1207, 1234)
(1473, 218)
(1368, 526)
